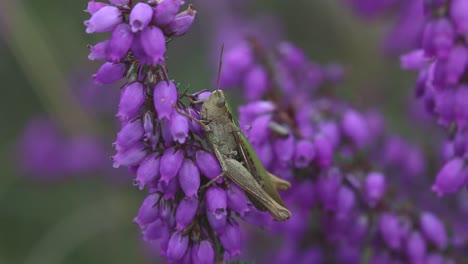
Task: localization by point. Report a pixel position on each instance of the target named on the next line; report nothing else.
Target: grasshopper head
(214, 106)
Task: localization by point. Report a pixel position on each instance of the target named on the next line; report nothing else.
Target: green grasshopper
(230, 145)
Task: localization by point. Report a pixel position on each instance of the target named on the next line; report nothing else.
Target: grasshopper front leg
(199, 122)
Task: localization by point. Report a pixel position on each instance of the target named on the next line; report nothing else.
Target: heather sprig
(184, 218)
(345, 209)
(441, 62)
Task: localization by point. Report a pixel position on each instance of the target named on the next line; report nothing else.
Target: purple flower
(327, 188)
(166, 11)
(236, 200)
(434, 230)
(130, 157)
(129, 134)
(323, 152)
(203, 253)
(181, 23)
(140, 16)
(131, 99)
(450, 178)
(256, 83)
(375, 188)
(458, 9)
(148, 211)
(99, 51)
(154, 44)
(165, 98)
(208, 164)
(93, 7)
(179, 126)
(186, 211)
(109, 73)
(231, 240)
(177, 246)
(171, 161)
(284, 148)
(305, 153)
(390, 229)
(189, 178)
(456, 64)
(216, 201)
(103, 20)
(148, 171)
(155, 230)
(415, 60)
(236, 61)
(120, 42)
(438, 38)
(355, 127)
(416, 248)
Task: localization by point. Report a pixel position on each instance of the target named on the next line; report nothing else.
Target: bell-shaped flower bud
(170, 188)
(130, 133)
(99, 51)
(374, 188)
(181, 23)
(179, 126)
(171, 161)
(120, 42)
(450, 178)
(323, 152)
(236, 200)
(456, 64)
(390, 230)
(132, 98)
(231, 240)
(304, 154)
(438, 38)
(203, 253)
(327, 187)
(151, 133)
(131, 156)
(259, 130)
(189, 178)
(166, 11)
(216, 200)
(458, 9)
(154, 44)
(186, 211)
(415, 60)
(285, 148)
(155, 230)
(177, 246)
(416, 248)
(103, 20)
(148, 171)
(165, 98)
(109, 73)
(355, 127)
(148, 211)
(256, 83)
(434, 230)
(208, 164)
(345, 202)
(93, 7)
(140, 16)
(248, 113)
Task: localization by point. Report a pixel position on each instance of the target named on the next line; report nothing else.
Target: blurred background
(60, 199)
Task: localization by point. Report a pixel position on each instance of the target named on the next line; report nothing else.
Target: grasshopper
(229, 146)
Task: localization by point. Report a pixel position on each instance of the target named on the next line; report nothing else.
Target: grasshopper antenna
(220, 66)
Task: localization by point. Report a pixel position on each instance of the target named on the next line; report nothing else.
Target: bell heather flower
(164, 148)
(441, 85)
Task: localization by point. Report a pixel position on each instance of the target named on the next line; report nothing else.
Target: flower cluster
(324, 147)
(185, 216)
(441, 62)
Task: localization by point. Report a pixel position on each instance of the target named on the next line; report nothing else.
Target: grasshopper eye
(221, 102)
